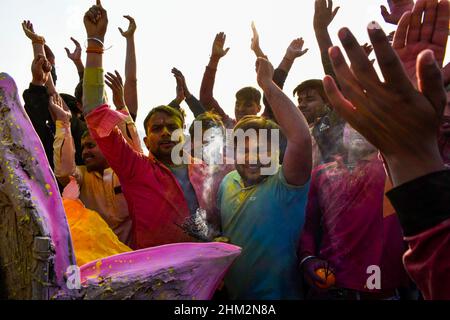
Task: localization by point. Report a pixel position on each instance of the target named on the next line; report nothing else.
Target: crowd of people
(358, 204)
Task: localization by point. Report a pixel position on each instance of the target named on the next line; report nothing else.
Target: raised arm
(102, 121)
(403, 126)
(175, 103)
(297, 160)
(131, 94)
(75, 56)
(323, 16)
(207, 87)
(96, 23)
(413, 35)
(256, 48)
(127, 127)
(194, 105)
(63, 145)
(38, 42)
(294, 51)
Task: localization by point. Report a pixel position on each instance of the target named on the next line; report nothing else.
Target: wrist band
(306, 259)
(97, 40)
(95, 50)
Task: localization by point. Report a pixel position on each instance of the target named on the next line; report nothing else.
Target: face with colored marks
(92, 156)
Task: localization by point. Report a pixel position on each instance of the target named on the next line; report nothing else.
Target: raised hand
(75, 56)
(218, 50)
(115, 83)
(295, 49)
(58, 108)
(40, 69)
(179, 89)
(96, 21)
(264, 70)
(255, 43)
(27, 27)
(413, 36)
(131, 28)
(397, 8)
(182, 82)
(394, 116)
(324, 13)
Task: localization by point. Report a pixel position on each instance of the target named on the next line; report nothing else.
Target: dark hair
(79, 92)
(85, 134)
(314, 84)
(255, 122)
(209, 120)
(249, 94)
(71, 102)
(173, 112)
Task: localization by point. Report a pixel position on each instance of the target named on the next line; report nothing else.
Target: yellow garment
(91, 236)
(98, 191)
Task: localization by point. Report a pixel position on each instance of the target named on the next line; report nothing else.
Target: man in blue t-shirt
(262, 206)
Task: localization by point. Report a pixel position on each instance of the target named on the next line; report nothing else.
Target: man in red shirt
(345, 230)
(162, 196)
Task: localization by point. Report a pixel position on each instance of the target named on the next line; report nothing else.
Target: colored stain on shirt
(265, 220)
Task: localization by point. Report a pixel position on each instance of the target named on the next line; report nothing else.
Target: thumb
(226, 50)
(67, 51)
(335, 11)
(121, 31)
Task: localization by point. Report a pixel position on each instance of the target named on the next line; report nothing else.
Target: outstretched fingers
(440, 33)
(351, 88)
(360, 63)
(339, 102)
(390, 65)
(400, 35)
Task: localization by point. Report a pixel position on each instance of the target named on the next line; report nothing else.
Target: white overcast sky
(178, 33)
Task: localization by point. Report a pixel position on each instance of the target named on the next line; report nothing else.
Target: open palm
(414, 35)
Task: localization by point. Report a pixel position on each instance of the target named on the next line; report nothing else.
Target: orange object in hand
(327, 276)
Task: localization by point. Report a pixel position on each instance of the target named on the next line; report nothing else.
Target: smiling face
(159, 130)
(251, 172)
(92, 156)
